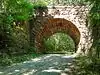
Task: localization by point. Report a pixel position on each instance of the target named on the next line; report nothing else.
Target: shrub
(59, 42)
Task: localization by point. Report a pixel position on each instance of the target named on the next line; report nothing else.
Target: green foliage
(94, 14)
(20, 40)
(94, 25)
(59, 42)
(12, 12)
(88, 66)
(40, 4)
(19, 9)
(7, 60)
(14, 37)
(5, 31)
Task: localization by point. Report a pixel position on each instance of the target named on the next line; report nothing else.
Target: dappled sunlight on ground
(49, 64)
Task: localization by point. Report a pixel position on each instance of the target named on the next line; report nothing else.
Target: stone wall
(53, 26)
(78, 16)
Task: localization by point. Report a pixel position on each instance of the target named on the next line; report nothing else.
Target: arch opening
(59, 43)
(53, 26)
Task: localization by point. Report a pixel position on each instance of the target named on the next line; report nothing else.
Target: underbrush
(7, 60)
(59, 43)
(87, 66)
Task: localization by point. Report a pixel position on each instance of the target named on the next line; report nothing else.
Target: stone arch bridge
(69, 19)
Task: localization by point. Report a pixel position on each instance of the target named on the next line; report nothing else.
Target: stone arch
(55, 25)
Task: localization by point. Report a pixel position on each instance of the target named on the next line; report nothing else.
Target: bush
(90, 66)
(6, 60)
(59, 42)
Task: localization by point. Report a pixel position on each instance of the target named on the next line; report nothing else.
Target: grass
(87, 66)
(6, 60)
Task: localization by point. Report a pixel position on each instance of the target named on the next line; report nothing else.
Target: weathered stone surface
(75, 16)
(78, 16)
(56, 25)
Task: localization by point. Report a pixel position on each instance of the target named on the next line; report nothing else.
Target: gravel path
(50, 64)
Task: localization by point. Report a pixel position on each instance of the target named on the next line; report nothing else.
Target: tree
(94, 24)
(12, 11)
